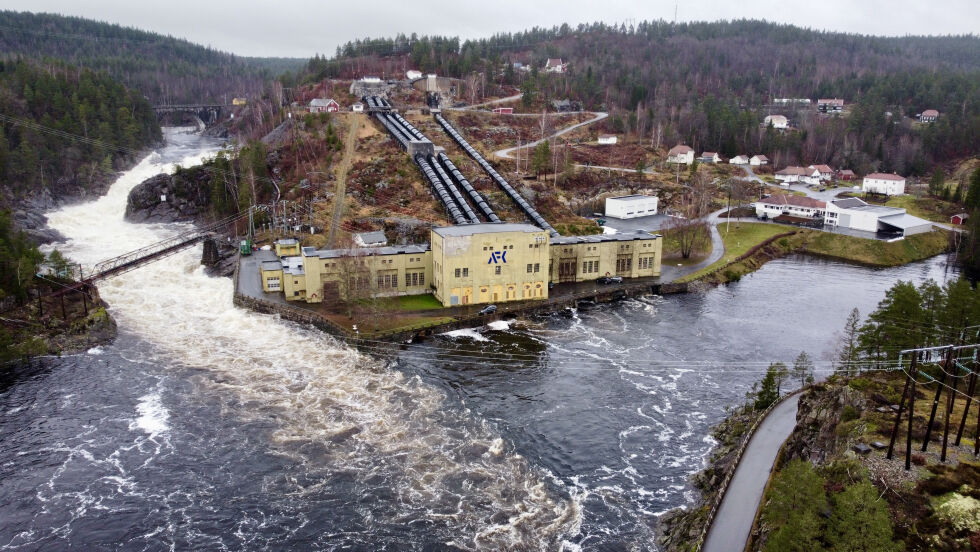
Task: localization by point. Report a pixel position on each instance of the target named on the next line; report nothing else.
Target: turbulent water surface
(207, 427)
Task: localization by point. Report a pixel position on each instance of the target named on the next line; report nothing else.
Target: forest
(165, 69)
(711, 84)
(65, 99)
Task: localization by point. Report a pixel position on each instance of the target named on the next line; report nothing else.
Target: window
(466, 273)
(457, 273)
(529, 267)
(491, 248)
(537, 267)
(273, 284)
(295, 294)
(496, 270)
(415, 279)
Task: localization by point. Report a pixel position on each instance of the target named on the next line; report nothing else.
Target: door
(567, 270)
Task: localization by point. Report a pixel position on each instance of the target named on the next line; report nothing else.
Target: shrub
(849, 413)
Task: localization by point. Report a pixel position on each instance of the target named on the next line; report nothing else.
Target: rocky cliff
(180, 197)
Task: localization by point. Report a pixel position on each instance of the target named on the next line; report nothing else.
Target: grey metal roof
(485, 228)
(633, 197)
(287, 241)
(879, 210)
(598, 238)
(373, 237)
(293, 265)
(904, 221)
(849, 203)
(366, 251)
(271, 265)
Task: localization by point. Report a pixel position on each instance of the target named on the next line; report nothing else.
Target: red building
(503, 110)
(958, 219)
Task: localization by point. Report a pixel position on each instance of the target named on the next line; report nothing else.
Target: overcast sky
(300, 28)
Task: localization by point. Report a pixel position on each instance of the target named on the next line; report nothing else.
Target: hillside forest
(165, 69)
(710, 85)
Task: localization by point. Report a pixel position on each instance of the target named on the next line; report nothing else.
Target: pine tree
(803, 368)
(796, 501)
(860, 522)
(937, 182)
(768, 393)
(848, 348)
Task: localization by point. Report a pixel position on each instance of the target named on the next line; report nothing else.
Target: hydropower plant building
(464, 264)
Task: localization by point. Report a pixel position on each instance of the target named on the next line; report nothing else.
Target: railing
(723, 489)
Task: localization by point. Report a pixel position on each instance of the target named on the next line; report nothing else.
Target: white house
(884, 183)
(758, 160)
(681, 154)
(855, 214)
(370, 239)
(826, 172)
(370, 80)
(928, 116)
(631, 206)
(835, 105)
(739, 160)
(777, 121)
(709, 157)
(357, 107)
(324, 105)
(789, 175)
(555, 65)
(790, 205)
(608, 138)
(413, 75)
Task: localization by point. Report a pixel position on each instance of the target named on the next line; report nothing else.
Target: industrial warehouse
(480, 259)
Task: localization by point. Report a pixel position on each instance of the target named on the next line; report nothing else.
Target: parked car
(609, 279)
(489, 309)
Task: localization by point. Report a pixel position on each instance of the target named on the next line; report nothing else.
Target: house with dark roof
(826, 172)
(790, 205)
(790, 175)
(825, 105)
(709, 157)
(758, 160)
(681, 154)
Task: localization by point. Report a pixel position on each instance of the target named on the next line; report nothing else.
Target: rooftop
(271, 265)
(634, 197)
(372, 237)
(287, 241)
(598, 238)
(679, 150)
(903, 221)
(485, 228)
(794, 200)
(885, 176)
(361, 251)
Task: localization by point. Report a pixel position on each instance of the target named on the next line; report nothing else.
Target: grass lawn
(409, 303)
(739, 238)
(877, 252)
(935, 210)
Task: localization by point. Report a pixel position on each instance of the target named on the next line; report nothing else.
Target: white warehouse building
(857, 215)
(631, 206)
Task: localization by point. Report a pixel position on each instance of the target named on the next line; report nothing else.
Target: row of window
(535, 266)
(589, 267)
(645, 263)
(415, 279)
(504, 247)
(465, 272)
(390, 281)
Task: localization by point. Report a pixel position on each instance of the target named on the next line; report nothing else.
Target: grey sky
(300, 28)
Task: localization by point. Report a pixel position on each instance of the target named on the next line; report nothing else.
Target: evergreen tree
(860, 522)
(848, 348)
(780, 372)
(803, 368)
(768, 394)
(541, 158)
(937, 182)
(796, 501)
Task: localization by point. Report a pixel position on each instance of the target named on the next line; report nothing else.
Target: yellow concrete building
(465, 264)
(489, 263)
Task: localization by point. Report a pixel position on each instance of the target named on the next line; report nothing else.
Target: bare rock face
(182, 197)
(815, 437)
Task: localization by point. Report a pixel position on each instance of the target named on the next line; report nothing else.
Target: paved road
(484, 104)
(506, 153)
(735, 516)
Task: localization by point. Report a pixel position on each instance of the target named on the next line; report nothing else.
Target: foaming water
(379, 450)
(617, 401)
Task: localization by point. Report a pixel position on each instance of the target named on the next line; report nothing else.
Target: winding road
(736, 514)
(506, 153)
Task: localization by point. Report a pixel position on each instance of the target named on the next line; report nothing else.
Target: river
(207, 427)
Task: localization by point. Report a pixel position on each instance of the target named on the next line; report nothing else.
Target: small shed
(503, 110)
(959, 218)
(608, 138)
(357, 107)
(371, 239)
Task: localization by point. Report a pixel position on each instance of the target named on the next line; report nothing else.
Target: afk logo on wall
(498, 256)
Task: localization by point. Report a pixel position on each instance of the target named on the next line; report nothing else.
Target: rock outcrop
(181, 197)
